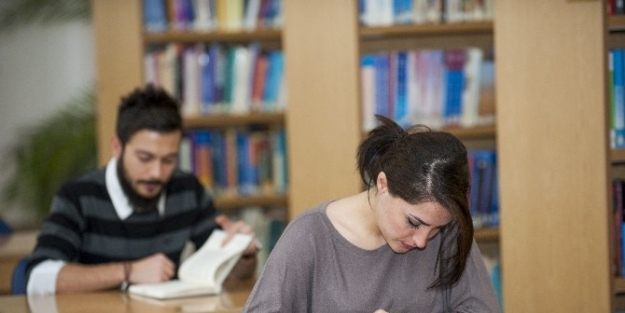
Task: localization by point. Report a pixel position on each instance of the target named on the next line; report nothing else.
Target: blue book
(481, 185)
(280, 168)
(220, 175)
(382, 84)
(230, 77)
(454, 85)
(207, 87)
(400, 111)
(493, 220)
(618, 109)
(273, 80)
(154, 15)
(474, 192)
(496, 280)
(488, 157)
(246, 185)
(217, 55)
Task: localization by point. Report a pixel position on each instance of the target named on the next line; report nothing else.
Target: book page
(203, 272)
(212, 263)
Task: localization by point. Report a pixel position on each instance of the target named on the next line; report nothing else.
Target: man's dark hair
(150, 108)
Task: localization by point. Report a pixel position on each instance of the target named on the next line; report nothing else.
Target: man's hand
(152, 269)
(231, 228)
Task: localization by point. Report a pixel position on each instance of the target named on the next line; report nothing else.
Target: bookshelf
(553, 144)
(616, 39)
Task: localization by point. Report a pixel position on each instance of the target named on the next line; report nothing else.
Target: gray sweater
(315, 269)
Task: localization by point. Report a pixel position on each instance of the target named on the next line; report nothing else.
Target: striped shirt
(87, 226)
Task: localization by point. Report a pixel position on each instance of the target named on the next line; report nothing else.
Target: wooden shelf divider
(211, 36)
(231, 120)
(232, 202)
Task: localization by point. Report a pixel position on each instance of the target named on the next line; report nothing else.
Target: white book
(367, 73)
(471, 91)
(241, 101)
(203, 16)
(203, 273)
(191, 92)
(251, 14)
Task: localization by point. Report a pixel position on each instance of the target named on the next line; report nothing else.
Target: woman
(405, 244)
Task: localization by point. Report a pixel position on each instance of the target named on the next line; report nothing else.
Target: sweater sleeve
(284, 285)
(60, 236)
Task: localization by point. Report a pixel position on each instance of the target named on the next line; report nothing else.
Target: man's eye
(169, 161)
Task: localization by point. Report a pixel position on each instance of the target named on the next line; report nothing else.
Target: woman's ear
(381, 182)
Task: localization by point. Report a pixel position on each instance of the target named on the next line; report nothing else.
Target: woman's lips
(406, 246)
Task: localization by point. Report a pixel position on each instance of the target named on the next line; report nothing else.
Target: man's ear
(116, 144)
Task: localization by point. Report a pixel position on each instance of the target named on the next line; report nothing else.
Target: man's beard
(139, 203)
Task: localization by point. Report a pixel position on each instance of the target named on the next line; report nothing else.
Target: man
(128, 222)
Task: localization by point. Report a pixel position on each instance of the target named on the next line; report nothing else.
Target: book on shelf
(616, 61)
(486, 106)
(203, 273)
(438, 88)
(400, 83)
(483, 196)
(617, 211)
(208, 15)
(471, 89)
(367, 77)
(154, 16)
(219, 79)
(454, 61)
(378, 13)
(236, 161)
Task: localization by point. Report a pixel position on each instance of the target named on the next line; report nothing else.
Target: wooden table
(14, 247)
(231, 300)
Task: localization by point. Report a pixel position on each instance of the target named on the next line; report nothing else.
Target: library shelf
(619, 285)
(474, 132)
(212, 36)
(233, 120)
(616, 23)
(442, 29)
(488, 234)
(617, 156)
(233, 202)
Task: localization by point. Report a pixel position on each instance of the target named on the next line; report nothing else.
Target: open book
(203, 273)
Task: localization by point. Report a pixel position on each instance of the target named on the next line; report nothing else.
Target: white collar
(120, 201)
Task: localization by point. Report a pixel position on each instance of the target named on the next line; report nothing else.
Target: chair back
(18, 280)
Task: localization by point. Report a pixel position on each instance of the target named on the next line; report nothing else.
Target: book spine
(154, 15)
(471, 92)
(618, 116)
(367, 72)
(400, 111)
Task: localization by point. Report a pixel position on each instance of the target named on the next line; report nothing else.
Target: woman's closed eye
(413, 224)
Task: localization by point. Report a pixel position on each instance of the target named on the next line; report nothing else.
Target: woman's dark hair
(148, 108)
(424, 166)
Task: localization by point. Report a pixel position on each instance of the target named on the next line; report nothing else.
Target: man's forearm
(79, 278)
